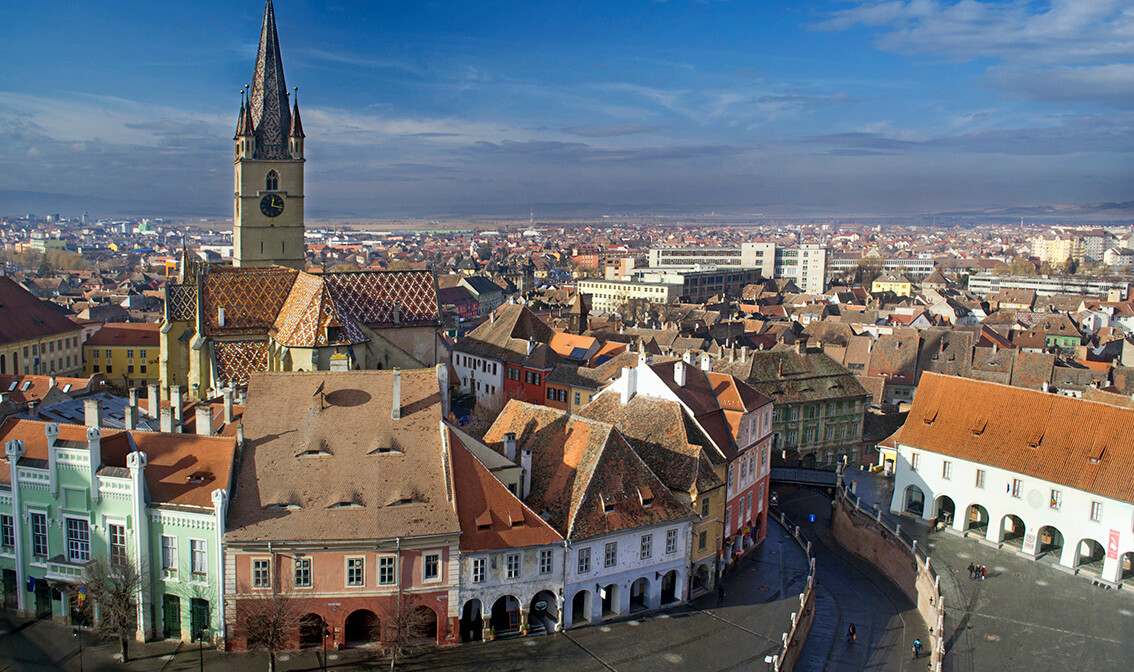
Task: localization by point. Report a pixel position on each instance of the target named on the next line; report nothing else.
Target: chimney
(679, 373)
(628, 384)
(706, 362)
(204, 420)
(92, 411)
(175, 403)
(687, 357)
(130, 417)
(510, 447)
(443, 386)
(798, 347)
(153, 399)
(33, 408)
(134, 396)
(531, 347)
(228, 414)
(526, 465)
(492, 317)
(396, 396)
(165, 420)
(4, 397)
(744, 353)
(51, 382)
(94, 445)
(731, 355)
(1046, 387)
(240, 436)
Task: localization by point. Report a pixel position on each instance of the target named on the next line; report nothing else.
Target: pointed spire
(267, 101)
(296, 124)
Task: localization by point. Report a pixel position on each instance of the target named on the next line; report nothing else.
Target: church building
(264, 312)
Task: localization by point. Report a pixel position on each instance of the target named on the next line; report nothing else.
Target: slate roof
(491, 516)
(790, 377)
(946, 351)
(591, 378)
(895, 358)
(23, 316)
(1077, 443)
(581, 468)
(349, 469)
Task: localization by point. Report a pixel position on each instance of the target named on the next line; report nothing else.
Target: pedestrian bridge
(802, 476)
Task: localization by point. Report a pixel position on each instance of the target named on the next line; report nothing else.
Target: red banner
(1112, 545)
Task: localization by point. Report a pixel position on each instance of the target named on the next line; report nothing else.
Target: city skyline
(439, 108)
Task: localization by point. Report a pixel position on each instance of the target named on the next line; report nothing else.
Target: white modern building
(1114, 289)
(609, 295)
(1042, 474)
(805, 265)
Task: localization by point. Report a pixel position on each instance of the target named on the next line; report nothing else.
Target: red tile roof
(1077, 443)
(23, 316)
(137, 334)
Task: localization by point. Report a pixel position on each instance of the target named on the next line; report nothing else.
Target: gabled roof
(586, 479)
(491, 516)
(137, 334)
(791, 377)
(23, 316)
(1073, 442)
(505, 337)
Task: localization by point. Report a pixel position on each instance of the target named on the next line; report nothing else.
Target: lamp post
(201, 647)
(76, 635)
(326, 634)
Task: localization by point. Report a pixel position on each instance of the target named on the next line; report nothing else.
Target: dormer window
(272, 181)
(607, 505)
(646, 495)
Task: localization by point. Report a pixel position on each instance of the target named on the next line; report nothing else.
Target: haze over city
(450, 109)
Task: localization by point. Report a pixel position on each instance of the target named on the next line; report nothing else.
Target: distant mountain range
(1111, 212)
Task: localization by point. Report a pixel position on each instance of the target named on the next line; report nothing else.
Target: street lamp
(201, 646)
(76, 635)
(326, 634)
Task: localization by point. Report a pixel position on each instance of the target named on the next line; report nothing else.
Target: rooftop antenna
(319, 391)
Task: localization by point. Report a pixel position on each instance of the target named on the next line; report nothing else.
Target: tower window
(272, 182)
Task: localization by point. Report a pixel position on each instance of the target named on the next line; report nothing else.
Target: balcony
(59, 568)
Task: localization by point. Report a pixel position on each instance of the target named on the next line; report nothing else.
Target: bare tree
(114, 588)
(409, 624)
(484, 413)
(269, 624)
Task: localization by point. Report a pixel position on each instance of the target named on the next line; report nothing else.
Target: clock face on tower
(272, 205)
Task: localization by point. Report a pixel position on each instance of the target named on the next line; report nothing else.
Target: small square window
(546, 561)
(610, 554)
(1096, 511)
(356, 571)
(671, 539)
(647, 546)
(303, 572)
(431, 569)
(261, 573)
(584, 558)
(512, 566)
(387, 565)
(479, 570)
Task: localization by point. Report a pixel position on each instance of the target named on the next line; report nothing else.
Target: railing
(793, 639)
(936, 604)
(64, 571)
(804, 475)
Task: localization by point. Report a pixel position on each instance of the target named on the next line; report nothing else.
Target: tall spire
(267, 100)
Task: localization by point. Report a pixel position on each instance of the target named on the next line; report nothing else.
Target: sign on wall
(1112, 545)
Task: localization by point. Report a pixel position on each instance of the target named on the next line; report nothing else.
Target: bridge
(804, 477)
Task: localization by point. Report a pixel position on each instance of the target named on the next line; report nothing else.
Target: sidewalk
(762, 591)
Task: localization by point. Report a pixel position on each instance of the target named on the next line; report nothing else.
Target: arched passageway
(977, 521)
(581, 607)
(1126, 567)
(1050, 542)
(669, 587)
(472, 621)
(543, 613)
(944, 509)
(1012, 530)
(424, 622)
(310, 631)
(914, 500)
(505, 615)
(1090, 557)
(640, 594)
(362, 627)
(611, 604)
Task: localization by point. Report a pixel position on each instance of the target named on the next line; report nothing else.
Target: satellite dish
(319, 390)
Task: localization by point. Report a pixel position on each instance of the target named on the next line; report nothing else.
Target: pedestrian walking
(983, 572)
(850, 633)
(720, 592)
(972, 571)
(917, 648)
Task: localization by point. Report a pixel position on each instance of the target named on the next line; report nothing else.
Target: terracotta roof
(1073, 442)
(506, 337)
(25, 388)
(334, 465)
(586, 478)
(137, 334)
(175, 462)
(699, 395)
(23, 316)
(250, 297)
(491, 516)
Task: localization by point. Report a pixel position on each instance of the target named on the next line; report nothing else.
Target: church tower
(267, 218)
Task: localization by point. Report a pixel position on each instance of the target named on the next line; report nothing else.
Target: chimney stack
(443, 386)
(706, 362)
(133, 396)
(153, 399)
(531, 347)
(130, 417)
(526, 464)
(687, 357)
(679, 373)
(92, 410)
(165, 420)
(510, 447)
(51, 382)
(33, 408)
(204, 420)
(175, 403)
(628, 384)
(228, 414)
(396, 396)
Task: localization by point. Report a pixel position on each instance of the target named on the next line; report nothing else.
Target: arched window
(272, 183)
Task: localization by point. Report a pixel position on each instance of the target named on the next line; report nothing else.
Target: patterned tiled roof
(267, 99)
(236, 360)
(373, 298)
(251, 298)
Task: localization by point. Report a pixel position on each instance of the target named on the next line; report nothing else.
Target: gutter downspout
(220, 507)
(562, 596)
(14, 450)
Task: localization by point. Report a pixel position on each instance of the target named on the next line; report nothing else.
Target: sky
(434, 108)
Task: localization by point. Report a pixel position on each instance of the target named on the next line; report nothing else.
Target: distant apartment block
(914, 269)
(805, 265)
(1114, 289)
(608, 295)
(1064, 244)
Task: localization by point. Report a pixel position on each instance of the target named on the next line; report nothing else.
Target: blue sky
(433, 108)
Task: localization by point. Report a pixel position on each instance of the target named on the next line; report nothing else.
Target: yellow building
(126, 353)
(892, 282)
(34, 337)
